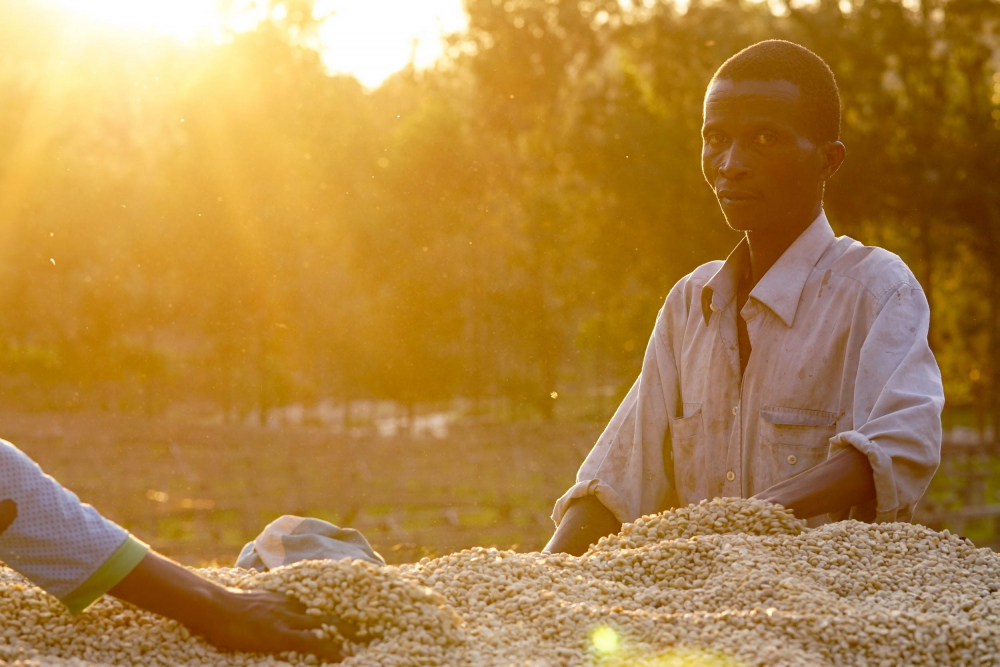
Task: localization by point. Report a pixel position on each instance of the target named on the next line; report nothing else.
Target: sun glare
(179, 18)
(605, 640)
(369, 39)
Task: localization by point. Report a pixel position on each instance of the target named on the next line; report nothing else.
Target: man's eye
(765, 138)
(715, 139)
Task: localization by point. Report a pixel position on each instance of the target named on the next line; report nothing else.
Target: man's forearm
(253, 620)
(842, 481)
(585, 522)
(163, 587)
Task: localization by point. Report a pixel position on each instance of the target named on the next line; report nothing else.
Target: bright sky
(370, 39)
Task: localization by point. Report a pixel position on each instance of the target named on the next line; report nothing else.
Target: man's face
(759, 156)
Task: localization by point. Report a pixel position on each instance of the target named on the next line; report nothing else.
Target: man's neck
(767, 247)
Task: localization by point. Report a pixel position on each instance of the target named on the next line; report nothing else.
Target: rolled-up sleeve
(898, 399)
(60, 544)
(626, 469)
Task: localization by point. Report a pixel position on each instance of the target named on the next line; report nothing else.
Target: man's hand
(258, 621)
(265, 621)
(585, 522)
(842, 481)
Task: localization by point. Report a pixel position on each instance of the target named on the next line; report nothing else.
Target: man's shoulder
(704, 273)
(876, 269)
(688, 289)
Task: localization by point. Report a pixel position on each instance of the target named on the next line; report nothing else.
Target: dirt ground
(199, 493)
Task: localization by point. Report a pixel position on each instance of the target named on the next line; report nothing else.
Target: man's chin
(740, 223)
(738, 226)
(748, 215)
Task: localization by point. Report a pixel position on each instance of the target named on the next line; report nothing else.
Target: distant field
(199, 493)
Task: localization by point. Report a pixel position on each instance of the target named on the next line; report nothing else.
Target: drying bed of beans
(725, 583)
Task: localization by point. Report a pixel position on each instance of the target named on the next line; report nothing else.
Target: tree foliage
(231, 224)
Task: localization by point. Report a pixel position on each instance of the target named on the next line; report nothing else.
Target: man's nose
(734, 164)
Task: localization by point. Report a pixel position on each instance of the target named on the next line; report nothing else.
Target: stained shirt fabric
(61, 545)
(840, 358)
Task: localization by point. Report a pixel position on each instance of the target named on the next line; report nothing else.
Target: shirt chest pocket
(688, 453)
(792, 440)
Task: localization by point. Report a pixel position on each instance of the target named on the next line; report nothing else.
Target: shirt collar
(721, 288)
(782, 285)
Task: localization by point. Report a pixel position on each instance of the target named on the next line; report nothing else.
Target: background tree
(231, 228)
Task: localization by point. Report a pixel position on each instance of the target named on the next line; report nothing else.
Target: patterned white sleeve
(54, 540)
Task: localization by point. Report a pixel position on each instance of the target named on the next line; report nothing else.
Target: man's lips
(736, 195)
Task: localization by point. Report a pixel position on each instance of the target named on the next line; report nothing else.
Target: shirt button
(730, 475)
(792, 460)
(736, 410)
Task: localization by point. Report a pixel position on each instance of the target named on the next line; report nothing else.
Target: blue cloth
(290, 539)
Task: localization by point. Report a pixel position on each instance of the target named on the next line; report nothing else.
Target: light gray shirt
(838, 332)
(60, 544)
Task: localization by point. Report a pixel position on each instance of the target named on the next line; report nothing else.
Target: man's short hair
(778, 60)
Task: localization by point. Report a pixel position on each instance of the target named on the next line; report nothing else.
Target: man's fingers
(304, 641)
(306, 622)
(293, 612)
(289, 602)
(349, 631)
(296, 618)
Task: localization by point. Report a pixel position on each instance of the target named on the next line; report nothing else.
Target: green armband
(107, 576)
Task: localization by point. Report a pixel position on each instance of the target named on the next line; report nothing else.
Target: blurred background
(394, 263)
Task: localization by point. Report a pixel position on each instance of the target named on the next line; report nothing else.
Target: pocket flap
(683, 428)
(797, 416)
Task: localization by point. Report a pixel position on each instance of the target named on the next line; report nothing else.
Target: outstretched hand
(233, 619)
(265, 621)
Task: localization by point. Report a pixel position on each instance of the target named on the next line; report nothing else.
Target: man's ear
(833, 153)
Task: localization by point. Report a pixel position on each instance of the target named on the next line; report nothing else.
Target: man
(68, 549)
(798, 370)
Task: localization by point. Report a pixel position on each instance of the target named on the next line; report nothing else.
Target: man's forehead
(751, 98)
(767, 88)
